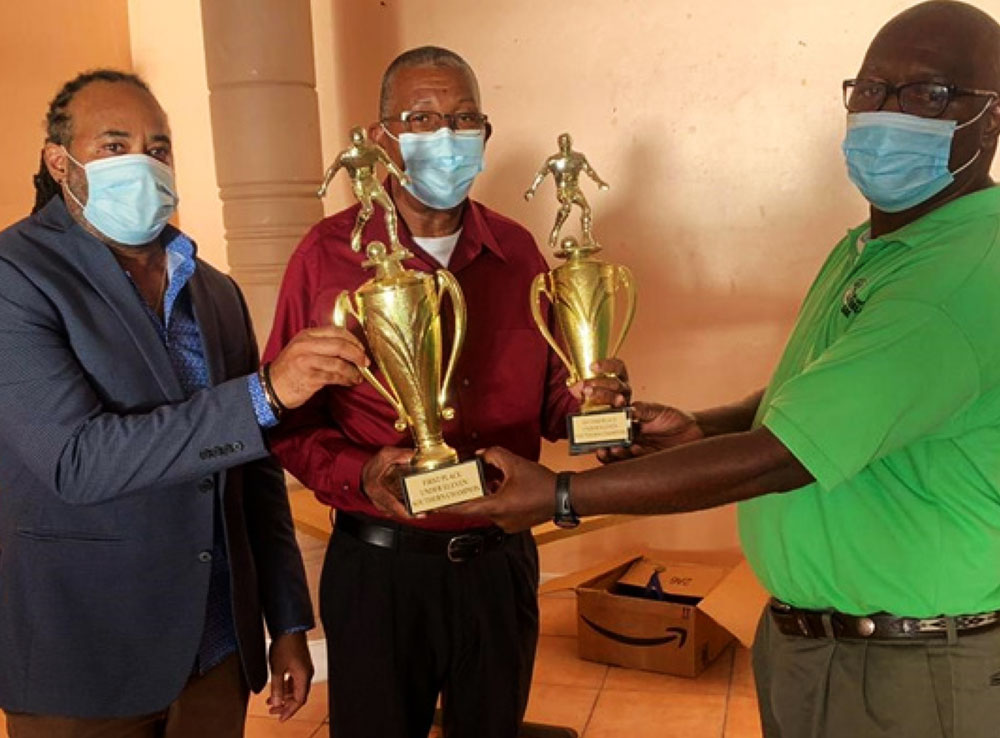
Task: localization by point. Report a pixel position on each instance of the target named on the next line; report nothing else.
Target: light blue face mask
(442, 165)
(899, 161)
(130, 197)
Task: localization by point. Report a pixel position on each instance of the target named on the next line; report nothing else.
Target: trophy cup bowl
(399, 311)
(583, 293)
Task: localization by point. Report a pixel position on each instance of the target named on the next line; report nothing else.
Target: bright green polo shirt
(889, 394)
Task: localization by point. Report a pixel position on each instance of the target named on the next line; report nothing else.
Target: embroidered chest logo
(851, 303)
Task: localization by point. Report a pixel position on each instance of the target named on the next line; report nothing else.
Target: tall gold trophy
(399, 311)
(582, 292)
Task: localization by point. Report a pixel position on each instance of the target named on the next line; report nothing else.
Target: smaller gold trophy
(399, 311)
(582, 293)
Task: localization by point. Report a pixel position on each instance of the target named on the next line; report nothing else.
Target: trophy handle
(623, 275)
(446, 283)
(539, 287)
(343, 307)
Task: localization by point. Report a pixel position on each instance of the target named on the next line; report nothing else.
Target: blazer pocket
(70, 536)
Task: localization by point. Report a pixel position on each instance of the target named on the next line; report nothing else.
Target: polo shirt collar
(985, 202)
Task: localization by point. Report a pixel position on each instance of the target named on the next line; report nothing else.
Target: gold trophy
(582, 292)
(399, 311)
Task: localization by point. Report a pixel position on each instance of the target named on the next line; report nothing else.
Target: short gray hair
(422, 56)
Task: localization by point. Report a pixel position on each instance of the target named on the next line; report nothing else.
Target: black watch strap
(565, 516)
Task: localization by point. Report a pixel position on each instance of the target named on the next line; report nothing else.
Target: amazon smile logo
(673, 634)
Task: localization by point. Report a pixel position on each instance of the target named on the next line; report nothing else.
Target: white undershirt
(440, 247)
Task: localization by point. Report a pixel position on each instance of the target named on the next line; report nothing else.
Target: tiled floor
(598, 701)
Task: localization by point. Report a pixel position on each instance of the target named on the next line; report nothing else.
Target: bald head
(951, 41)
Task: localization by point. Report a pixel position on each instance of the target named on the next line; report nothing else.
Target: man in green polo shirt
(881, 424)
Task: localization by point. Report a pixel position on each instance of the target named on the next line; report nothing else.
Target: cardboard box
(708, 599)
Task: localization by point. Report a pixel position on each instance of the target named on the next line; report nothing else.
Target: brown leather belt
(831, 624)
(457, 546)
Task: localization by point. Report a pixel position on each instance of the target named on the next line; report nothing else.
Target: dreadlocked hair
(58, 125)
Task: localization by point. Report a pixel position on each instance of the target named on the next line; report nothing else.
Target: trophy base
(591, 431)
(447, 485)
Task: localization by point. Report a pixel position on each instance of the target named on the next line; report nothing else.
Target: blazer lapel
(100, 268)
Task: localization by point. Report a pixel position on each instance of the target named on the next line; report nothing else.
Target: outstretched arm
(893, 358)
(695, 476)
(331, 172)
(733, 418)
(539, 176)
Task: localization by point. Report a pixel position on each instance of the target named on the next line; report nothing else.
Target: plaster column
(266, 131)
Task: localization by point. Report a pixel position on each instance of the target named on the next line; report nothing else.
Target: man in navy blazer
(145, 533)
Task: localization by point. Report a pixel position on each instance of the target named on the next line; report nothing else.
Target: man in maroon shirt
(440, 604)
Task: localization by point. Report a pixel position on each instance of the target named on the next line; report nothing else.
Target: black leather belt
(831, 624)
(456, 546)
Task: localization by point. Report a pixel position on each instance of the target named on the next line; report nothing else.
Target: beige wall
(43, 44)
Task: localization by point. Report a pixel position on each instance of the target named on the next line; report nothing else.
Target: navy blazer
(106, 480)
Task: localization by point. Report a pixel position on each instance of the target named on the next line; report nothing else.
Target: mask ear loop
(65, 182)
(388, 132)
(990, 103)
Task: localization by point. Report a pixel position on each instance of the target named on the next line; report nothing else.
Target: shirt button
(346, 487)
(206, 485)
(205, 556)
(474, 435)
(466, 382)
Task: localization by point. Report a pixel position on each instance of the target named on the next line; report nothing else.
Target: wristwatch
(565, 516)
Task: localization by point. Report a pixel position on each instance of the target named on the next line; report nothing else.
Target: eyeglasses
(428, 121)
(926, 99)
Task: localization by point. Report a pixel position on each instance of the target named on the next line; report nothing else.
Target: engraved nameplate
(590, 431)
(448, 485)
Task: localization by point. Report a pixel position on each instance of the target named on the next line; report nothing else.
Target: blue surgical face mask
(442, 165)
(130, 197)
(898, 161)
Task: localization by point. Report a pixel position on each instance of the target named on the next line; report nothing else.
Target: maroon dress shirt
(509, 388)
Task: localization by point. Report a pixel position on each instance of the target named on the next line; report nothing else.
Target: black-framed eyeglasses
(926, 99)
(428, 121)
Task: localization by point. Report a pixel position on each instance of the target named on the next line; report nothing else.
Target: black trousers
(402, 628)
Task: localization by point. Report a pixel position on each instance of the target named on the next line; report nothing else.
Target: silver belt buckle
(459, 547)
